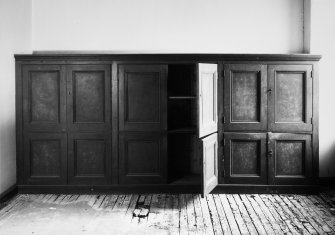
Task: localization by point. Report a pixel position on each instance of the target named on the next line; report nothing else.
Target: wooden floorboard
(168, 214)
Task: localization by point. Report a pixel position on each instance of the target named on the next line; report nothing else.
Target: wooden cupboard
(119, 122)
(268, 123)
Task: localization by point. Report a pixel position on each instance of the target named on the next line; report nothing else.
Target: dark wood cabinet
(161, 122)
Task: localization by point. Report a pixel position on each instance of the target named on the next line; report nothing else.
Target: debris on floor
(142, 208)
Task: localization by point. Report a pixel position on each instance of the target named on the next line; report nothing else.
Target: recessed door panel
(245, 97)
(292, 158)
(209, 153)
(45, 158)
(207, 99)
(89, 97)
(142, 97)
(89, 158)
(44, 101)
(290, 99)
(245, 158)
(142, 158)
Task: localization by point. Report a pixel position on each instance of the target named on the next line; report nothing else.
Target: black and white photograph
(167, 117)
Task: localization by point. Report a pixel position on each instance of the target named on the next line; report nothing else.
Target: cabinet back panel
(182, 80)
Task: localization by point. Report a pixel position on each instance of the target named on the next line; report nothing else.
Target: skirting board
(8, 194)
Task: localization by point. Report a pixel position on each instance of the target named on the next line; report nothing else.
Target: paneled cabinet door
(245, 158)
(45, 158)
(89, 96)
(142, 97)
(290, 98)
(143, 158)
(89, 158)
(290, 158)
(245, 97)
(207, 99)
(44, 90)
(209, 153)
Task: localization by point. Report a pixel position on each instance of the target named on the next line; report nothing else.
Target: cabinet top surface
(148, 55)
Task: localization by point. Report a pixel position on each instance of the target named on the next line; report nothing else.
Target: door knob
(270, 153)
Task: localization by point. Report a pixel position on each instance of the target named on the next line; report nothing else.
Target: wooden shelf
(182, 97)
(183, 130)
(191, 179)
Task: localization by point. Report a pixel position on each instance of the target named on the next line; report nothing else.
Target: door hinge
(312, 74)
(223, 119)
(224, 142)
(311, 120)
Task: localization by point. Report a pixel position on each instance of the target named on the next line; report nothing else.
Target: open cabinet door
(207, 98)
(209, 152)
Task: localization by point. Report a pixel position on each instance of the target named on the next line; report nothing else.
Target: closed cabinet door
(89, 95)
(290, 98)
(44, 107)
(142, 97)
(245, 97)
(290, 158)
(245, 158)
(45, 158)
(142, 158)
(89, 158)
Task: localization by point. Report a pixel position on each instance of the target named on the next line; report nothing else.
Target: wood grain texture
(245, 97)
(168, 214)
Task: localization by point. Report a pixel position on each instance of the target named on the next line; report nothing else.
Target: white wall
(15, 36)
(323, 42)
(235, 26)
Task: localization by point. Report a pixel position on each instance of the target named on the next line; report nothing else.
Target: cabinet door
(88, 97)
(245, 97)
(245, 158)
(45, 158)
(209, 153)
(89, 158)
(291, 161)
(142, 158)
(290, 98)
(207, 98)
(142, 97)
(44, 90)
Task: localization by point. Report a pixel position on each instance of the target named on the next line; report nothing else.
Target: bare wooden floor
(167, 214)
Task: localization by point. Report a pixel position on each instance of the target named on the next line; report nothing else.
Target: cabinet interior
(184, 164)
